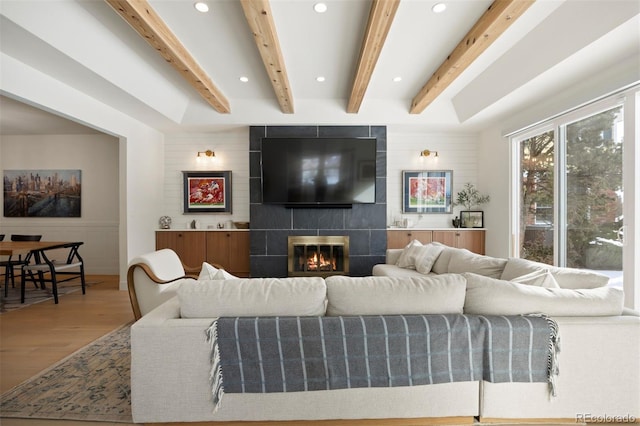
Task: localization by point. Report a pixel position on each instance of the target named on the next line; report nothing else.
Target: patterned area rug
(36, 295)
(91, 384)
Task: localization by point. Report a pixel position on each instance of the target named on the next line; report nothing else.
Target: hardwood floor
(39, 335)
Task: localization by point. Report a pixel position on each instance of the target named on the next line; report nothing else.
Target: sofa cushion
(463, 260)
(539, 278)
(489, 296)
(441, 265)
(565, 277)
(385, 270)
(210, 272)
(437, 294)
(253, 297)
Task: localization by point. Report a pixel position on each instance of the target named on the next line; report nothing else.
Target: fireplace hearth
(320, 256)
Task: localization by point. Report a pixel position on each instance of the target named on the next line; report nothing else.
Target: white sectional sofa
(599, 372)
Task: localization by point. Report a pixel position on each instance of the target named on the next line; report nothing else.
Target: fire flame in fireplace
(318, 262)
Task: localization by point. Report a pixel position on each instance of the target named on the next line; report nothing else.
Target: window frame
(557, 125)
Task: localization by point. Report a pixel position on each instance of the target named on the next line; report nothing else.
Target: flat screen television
(318, 172)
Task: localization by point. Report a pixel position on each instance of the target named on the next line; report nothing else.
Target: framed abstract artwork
(427, 191)
(207, 192)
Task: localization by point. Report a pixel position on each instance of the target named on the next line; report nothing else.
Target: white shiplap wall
(232, 153)
(456, 152)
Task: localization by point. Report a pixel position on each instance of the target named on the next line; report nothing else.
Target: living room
(127, 200)
(134, 146)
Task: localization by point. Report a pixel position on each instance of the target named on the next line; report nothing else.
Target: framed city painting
(207, 192)
(427, 191)
(42, 193)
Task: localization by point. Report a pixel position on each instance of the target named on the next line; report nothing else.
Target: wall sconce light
(426, 153)
(206, 155)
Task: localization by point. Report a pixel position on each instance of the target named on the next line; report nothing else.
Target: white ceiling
(86, 45)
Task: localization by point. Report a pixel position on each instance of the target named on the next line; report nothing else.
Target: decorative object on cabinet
(427, 191)
(472, 219)
(455, 222)
(42, 193)
(470, 197)
(165, 222)
(207, 192)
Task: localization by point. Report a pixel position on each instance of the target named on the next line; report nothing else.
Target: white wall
(97, 157)
(232, 153)
(141, 151)
(458, 153)
(495, 179)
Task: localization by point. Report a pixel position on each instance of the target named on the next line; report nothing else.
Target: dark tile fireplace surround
(271, 225)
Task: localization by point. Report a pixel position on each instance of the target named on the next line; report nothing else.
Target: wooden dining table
(11, 248)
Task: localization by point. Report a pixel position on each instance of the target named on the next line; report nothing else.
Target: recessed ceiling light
(439, 7)
(397, 79)
(320, 79)
(320, 7)
(244, 79)
(201, 6)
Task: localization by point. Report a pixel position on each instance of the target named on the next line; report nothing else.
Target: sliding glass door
(570, 191)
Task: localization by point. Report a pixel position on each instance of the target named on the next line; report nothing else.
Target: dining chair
(10, 264)
(50, 269)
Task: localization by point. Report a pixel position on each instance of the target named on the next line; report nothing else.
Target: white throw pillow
(539, 278)
(441, 294)
(253, 297)
(210, 272)
(463, 260)
(565, 277)
(426, 257)
(489, 296)
(407, 258)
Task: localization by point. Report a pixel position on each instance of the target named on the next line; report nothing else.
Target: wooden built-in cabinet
(227, 248)
(191, 247)
(230, 249)
(470, 239)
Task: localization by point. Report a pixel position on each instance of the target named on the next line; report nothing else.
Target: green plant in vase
(470, 197)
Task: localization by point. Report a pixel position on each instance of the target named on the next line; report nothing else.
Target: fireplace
(320, 256)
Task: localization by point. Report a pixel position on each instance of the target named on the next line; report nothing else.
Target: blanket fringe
(215, 377)
(554, 348)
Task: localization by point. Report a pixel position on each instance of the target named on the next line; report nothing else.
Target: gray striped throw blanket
(291, 354)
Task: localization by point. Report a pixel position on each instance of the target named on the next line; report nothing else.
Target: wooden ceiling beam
(148, 24)
(495, 21)
(260, 20)
(380, 20)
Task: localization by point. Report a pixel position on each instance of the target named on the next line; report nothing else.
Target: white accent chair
(154, 278)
